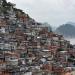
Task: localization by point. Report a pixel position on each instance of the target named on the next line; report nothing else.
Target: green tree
(60, 49)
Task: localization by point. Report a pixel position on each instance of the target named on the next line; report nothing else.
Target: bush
(60, 49)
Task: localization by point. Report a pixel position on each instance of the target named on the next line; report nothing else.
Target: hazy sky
(55, 12)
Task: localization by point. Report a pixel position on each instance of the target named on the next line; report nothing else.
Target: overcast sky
(55, 12)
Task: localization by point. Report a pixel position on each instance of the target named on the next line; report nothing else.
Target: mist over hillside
(67, 30)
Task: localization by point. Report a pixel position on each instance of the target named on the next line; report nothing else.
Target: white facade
(2, 30)
(28, 73)
(12, 61)
(2, 66)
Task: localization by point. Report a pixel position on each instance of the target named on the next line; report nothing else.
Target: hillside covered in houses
(28, 47)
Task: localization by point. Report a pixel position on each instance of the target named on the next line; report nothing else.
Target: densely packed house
(31, 48)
